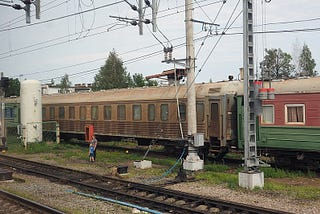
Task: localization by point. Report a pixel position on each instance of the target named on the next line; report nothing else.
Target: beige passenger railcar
(147, 114)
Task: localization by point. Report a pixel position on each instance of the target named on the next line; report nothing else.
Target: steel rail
(157, 198)
(26, 204)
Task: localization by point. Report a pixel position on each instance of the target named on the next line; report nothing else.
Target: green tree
(138, 80)
(13, 88)
(112, 75)
(306, 63)
(65, 84)
(276, 64)
(152, 83)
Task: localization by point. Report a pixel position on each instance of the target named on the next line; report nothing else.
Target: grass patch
(294, 191)
(227, 179)
(216, 168)
(163, 162)
(270, 172)
(116, 157)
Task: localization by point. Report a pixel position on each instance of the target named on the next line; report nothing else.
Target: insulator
(165, 56)
(134, 23)
(147, 21)
(147, 3)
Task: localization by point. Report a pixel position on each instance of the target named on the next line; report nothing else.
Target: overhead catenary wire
(159, 52)
(82, 18)
(91, 29)
(61, 17)
(59, 43)
(214, 20)
(103, 26)
(220, 37)
(70, 15)
(22, 17)
(226, 28)
(131, 61)
(74, 74)
(154, 36)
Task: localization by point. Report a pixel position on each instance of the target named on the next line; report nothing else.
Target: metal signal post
(251, 176)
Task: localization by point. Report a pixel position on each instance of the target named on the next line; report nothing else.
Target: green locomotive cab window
(52, 113)
(151, 112)
(107, 112)
(61, 112)
(164, 112)
(94, 112)
(295, 113)
(121, 111)
(136, 112)
(72, 114)
(183, 111)
(83, 112)
(267, 114)
(200, 112)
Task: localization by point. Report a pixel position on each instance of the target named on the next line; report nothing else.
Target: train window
(61, 112)
(164, 112)
(121, 110)
(183, 111)
(94, 112)
(52, 113)
(82, 112)
(44, 113)
(107, 112)
(136, 112)
(295, 113)
(200, 112)
(267, 114)
(9, 113)
(72, 114)
(151, 112)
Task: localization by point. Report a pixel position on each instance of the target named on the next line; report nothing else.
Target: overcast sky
(78, 45)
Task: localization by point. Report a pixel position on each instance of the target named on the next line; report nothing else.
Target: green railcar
(12, 117)
(289, 145)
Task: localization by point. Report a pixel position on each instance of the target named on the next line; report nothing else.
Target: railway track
(157, 198)
(10, 203)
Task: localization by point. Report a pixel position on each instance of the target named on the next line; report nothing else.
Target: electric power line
(61, 17)
(79, 37)
(181, 45)
(22, 17)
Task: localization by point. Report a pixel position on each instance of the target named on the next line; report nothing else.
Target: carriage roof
(306, 85)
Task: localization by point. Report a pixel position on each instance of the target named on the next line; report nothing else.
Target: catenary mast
(192, 161)
(251, 176)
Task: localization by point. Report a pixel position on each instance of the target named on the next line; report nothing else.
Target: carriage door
(218, 123)
(214, 120)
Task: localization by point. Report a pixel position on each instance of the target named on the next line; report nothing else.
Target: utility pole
(192, 161)
(141, 11)
(27, 7)
(4, 81)
(251, 176)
